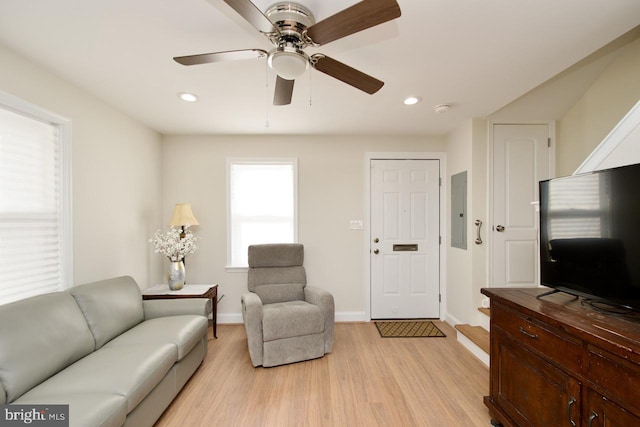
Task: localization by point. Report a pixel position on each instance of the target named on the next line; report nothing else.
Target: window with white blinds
(35, 231)
(262, 205)
(579, 210)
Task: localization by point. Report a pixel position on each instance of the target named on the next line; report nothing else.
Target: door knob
(375, 251)
(500, 228)
(376, 240)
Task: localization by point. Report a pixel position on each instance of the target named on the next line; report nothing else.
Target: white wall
(331, 193)
(459, 295)
(116, 174)
(479, 210)
(599, 110)
(467, 269)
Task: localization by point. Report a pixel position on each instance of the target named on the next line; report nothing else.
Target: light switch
(356, 224)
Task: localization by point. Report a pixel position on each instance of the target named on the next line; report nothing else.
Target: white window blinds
(33, 204)
(262, 205)
(579, 211)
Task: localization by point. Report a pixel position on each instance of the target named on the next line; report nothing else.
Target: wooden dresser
(557, 361)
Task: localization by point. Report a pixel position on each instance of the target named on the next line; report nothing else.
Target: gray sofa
(115, 359)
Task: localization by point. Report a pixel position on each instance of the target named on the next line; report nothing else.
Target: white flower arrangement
(172, 245)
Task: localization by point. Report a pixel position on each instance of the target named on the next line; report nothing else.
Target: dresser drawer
(615, 374)
(547, 342)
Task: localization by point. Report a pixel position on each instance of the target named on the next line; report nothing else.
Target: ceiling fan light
(288, 64)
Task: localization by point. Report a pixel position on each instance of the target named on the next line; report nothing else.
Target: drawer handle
(529, 334)
(569, 404)
(592, 417)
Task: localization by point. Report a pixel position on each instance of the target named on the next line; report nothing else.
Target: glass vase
(176, 275)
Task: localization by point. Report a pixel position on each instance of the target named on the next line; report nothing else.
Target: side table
(188, 291)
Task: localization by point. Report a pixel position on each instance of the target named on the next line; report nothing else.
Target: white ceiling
(477, 55)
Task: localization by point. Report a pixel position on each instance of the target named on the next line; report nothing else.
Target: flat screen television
(590, 235)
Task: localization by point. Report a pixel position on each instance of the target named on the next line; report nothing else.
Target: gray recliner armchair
(286, 320)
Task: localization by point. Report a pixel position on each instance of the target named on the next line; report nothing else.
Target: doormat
(405, 329)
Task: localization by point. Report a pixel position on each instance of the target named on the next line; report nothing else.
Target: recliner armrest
(176, 307)
(252, 316)
(324, 300)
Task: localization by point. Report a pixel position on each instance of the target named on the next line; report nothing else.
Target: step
(484, 310)
(477, 334)
(476, 340)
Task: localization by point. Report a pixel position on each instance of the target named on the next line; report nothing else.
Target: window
(262, 205)
(579, 211)
(35, 208)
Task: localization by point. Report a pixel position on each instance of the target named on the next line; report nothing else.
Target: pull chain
(310, 90)
(266, 94)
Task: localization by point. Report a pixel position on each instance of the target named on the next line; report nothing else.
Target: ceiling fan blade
(360, 16)
(253, 16)
(230, 55)
(283, 92)
(343, 72)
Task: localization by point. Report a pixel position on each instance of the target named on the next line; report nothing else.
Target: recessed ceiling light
(412, 100)
(186, 96)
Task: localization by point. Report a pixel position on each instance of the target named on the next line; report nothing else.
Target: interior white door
(521, 158)
(405, 248)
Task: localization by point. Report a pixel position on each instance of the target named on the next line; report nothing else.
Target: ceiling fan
(291, 27)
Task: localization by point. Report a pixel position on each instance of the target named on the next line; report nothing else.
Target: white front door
(405, 248)
(521, 158)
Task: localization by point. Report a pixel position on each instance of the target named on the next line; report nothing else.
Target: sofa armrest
(252, 316)
(324, 300)
(176, 307)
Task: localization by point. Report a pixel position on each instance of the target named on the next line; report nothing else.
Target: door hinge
(440, 240)
(549, 142)
(440, 181)
(439, 297)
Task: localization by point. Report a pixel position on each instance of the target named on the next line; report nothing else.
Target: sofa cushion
(131, 371)
(39, 336)
(184, 332)
(110, 306)
(291, 319)
(280, 293)
(86, 409)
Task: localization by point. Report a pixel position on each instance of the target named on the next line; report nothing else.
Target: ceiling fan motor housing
(287, 59)
(292, 19)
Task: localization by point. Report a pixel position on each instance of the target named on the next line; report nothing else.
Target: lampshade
(288, 62)
(183, 216)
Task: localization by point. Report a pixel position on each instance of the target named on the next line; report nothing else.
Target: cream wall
(479, 210)
(599, 110)
(331, 191)
(459, 295)
(116, 174)
(467, 269)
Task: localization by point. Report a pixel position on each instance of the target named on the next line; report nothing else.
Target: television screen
(590, 235)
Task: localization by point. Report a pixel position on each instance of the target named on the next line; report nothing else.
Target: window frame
(65, 201)
(257, 161)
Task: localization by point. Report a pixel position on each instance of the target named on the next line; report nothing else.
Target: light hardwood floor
(366, 381)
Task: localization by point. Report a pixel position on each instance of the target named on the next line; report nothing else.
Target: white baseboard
(485, 321)
(345, 316)
(229, 318)
(451, 320)
(473, 348)
(355, 316)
